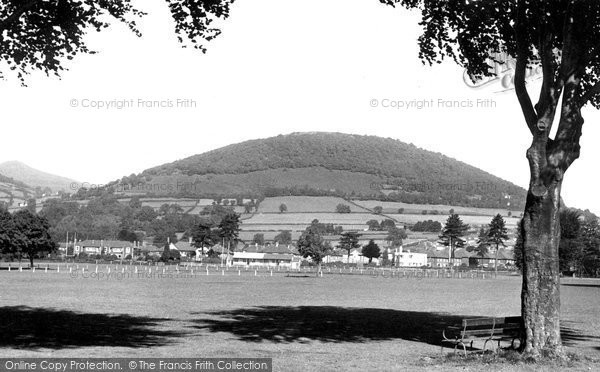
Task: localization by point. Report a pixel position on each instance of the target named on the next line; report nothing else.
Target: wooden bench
(489, 329)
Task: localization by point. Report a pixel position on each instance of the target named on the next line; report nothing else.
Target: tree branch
(4, 24)
(520, 68)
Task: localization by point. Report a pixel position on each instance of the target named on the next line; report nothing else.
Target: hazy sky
(279, 67)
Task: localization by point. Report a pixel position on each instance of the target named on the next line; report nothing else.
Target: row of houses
(413, 254)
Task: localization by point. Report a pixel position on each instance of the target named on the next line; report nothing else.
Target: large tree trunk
(540, 297)
(31, 261)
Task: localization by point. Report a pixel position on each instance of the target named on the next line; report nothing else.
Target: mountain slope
(33, 177)
(329, 164)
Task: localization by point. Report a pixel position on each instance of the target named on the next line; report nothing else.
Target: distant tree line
(427, 226)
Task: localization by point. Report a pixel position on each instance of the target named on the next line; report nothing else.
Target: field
(392, 207)
(305, 204)
(349, 322)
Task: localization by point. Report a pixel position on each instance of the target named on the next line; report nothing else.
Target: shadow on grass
(586, 285)
(32, 328)
(327, 324)
(572, 336)
(288, 324)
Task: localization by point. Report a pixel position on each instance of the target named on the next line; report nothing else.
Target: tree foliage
(427, 226)
(284, 237)
(342, 208)
(282, 208)
(204, 235)
(42, 35)
(312, 245)
(349, 241)
(453, 232)
(395, 236)
(371, 250)
(31, 235)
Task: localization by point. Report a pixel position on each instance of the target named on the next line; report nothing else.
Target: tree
(311, 244)
(590, 237)
(560, 38)
(342, 208)
(349, 241)
(483, 243)
(284, 237)
(203, 236)
(229, 230)
(571, 250)
(135, 202)
(282, 208)
(518, 249)
(371, 250)
(146, 214)
(31, 235)
(378, 209)
(7, 230)
(396, 236)
(127, 235)
(42, 35)
(387, 224)
(427, 226)
(373, 225)
(32, 205)
(497, 235)
(452, 234)
(259, 239)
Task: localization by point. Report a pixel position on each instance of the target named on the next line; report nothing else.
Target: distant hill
(33, 177)
(13, 192)
(335, 164)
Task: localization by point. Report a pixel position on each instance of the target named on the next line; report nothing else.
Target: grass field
(302, 204)
(392, 207)
(333, 323)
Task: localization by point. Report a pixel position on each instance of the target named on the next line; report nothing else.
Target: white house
(269, 256)
(409, 259)
(119, 248)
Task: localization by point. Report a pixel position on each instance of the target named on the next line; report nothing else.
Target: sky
(278, 67)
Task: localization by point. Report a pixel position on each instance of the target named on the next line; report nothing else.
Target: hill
(13, 192)
(33, 177)
(328, 164)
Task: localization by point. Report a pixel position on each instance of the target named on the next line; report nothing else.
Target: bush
(342, 208)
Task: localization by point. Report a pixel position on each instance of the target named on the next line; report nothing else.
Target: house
(266, 256)
(150, 250)
(185, 248)
(409, 259)
(119, 248)
(341, 256)
(505, 257)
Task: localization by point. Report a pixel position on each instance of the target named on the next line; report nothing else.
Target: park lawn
(338, 322)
